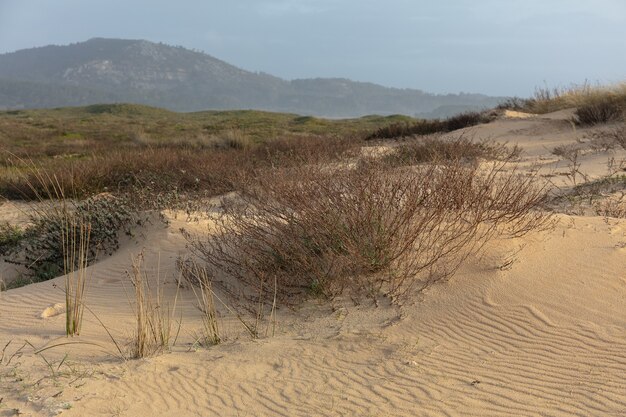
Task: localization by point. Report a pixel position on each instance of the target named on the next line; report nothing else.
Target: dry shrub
(152, 173)
(160, 169)
(568, 151)
(600, 109)
(515, 103)
(609, 138)
(611, 207)
(293, 150)
(233, 138)
(448, 148)
(369, 229)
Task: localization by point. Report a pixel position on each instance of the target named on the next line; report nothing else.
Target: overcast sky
(497, 47)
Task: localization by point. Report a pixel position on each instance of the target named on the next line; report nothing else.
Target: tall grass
(202, 287)
(69, 238)
(76, 240)
(594, 104)
(153, 315)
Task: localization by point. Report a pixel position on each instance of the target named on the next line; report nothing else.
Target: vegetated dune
(534, 326)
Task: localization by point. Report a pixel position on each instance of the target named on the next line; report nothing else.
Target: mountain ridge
(103, 70)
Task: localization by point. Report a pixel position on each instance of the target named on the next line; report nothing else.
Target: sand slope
(534, 327)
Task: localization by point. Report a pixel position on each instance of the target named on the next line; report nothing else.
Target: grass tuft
(202, 287)
(154, 317)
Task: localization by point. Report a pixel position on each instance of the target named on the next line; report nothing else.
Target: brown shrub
(369, 229)
(159, 170)
(601, 109)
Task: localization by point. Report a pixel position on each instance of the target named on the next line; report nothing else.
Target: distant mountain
(137, 71)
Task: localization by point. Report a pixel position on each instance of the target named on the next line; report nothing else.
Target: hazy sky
(498, 47)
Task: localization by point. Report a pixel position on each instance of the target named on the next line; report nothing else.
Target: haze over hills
(137, 71)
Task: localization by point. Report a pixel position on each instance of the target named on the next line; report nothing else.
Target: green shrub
(10, 236)
(41, 246)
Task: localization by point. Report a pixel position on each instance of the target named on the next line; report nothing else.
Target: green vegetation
(106, 148)
(10, 236)
(42, 248)
(79, 131)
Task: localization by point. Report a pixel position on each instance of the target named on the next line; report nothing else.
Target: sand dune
(536, 326)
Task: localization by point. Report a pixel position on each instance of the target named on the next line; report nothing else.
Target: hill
(116, 70)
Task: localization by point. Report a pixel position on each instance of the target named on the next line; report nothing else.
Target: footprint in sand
(53, 310)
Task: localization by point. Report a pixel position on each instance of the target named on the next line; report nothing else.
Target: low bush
(43, 246)
(428, 127)
(449, 148)
(370, 229)
(160, 171)
(123, 170)
(604, 109)
(611, 207)
(516, 103)
(10, 236)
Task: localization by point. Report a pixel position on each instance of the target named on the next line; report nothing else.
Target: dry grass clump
(448, 148)
(594, 104)
(75, 237)
(608, 138)
(367, 229)
(249, 311)
(613, 206)
(428, 127)
(202, 287)
(59, 239)
(154, 316)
